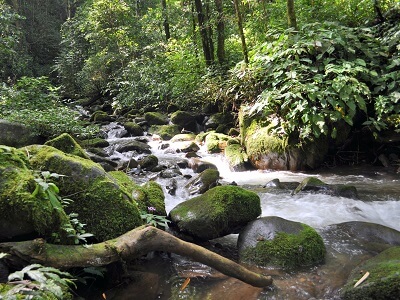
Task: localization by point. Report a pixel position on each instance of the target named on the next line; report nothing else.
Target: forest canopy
(304, 64)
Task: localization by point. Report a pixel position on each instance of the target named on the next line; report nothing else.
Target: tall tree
(241, 31)
(204, 33)
(220, 32)
(291, 14)
(166, 21)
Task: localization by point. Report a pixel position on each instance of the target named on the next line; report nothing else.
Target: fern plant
(38, 282)
(48, 190)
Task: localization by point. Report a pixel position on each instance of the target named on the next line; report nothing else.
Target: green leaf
(37, 276)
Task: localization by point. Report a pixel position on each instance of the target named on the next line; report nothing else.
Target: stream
(163, 276)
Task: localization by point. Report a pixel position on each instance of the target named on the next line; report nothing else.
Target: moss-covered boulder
(148, 162)
(220, 211)
(94, 143)
(275, 241)
(67, 144)
(203, 182)
(100, 116)
(216, 142)
(102, 204)
(148, 195)
(22, 211)
(17, 135)
(132, 145)
(156, 118)
(185, 120)
(270, 151)
(237, 158)
(383, 281)
(134, 129)
(166, 132)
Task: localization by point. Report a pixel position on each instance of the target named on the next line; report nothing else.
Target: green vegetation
(288, 250)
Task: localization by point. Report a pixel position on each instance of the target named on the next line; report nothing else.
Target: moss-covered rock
(237, 158)
(216, 142)
(219, 211)
(185, 120)
(183, 137)
(383, 281)
(269, 151)
(17, 135)
(148, 195)
(101, 203)
(166, 132)
(67, 144)
(148, 162)
(203, 182)
(101, 117)
(134, 129)
(276, 241)
(156, 118)
(155, 197)
(94, 143)
(22, 209)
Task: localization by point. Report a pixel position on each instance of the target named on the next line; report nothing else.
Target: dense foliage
(153, 54)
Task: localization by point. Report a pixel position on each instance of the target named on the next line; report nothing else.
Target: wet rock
(94, 143)
(170, 172)
(133, 128)
(203, 182)
(189, 147)
(368, 236)
(183, 164)
(148, 162)
(383, 281)
(199, 166)
(172, 186)
(166, 132)
(276, 241)
(67, 144)
(156, 118)
(17, 135)
(184, 120)
(218, 119)
(277, 184)
(313, 184)
(133, 145)
(218, 212)
(237, 158)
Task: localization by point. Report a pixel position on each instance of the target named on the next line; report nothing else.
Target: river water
(379, 202)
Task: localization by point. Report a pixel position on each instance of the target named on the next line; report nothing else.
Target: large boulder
(20, 212)
(313, 184)
(383, 281)
(17, 135)
(101, 202)
(270, 151)
(67, 144)
(185, 120)
(220, 211)
(280, 242)
(156, 118)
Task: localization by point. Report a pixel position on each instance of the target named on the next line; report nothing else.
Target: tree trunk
(203, 33)
(129, 246)
(220, 32)
(166, 21)
(241, 32)
(291, 14)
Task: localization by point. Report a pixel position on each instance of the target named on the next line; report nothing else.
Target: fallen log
(129, 246)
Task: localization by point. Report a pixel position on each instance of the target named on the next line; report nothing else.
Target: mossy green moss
(106, 208)
(383, 281)
(67, 144)
(134, 128)
(18, 206)
(94, 143)
(155, 197)
(259, 141)
(288, 250)
(155, 118)
(215, 142)
(235, 155)
(166, 132)
(217, 212)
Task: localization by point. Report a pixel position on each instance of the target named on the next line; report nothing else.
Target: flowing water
(379, 195)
